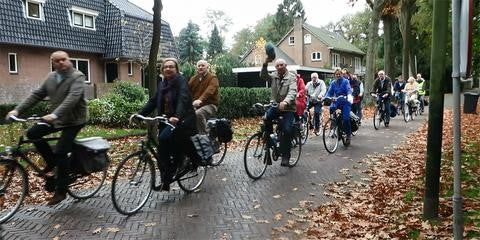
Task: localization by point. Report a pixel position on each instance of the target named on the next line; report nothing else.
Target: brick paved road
(223, 206)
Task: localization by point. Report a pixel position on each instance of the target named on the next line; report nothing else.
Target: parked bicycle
(379, 115)
(333, 130)
(136, 177)
(262, 148)
(15, 164)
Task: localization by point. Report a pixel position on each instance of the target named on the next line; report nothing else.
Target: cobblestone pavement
(227, 206)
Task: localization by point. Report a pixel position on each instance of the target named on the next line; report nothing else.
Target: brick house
(106, 40)
(306, 49)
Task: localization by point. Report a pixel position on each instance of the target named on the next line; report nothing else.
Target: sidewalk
(228, 206)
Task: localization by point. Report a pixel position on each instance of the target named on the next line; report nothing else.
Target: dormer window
(34, 9)
(291, 40)
(82, 18)
(307, 39)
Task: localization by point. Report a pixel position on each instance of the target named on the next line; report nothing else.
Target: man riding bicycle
(398, 91)
(338, 88)
(284, 92)
(65, 89)
(315, 91)
(383, 88)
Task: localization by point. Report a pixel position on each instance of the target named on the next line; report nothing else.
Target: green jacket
(66, 99)
(283, 88)
(421, 87)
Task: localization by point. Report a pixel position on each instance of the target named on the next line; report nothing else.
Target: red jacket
(301, 100)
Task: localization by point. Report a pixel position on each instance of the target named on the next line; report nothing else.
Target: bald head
(61, 61)
(202, 67)
(281, 66)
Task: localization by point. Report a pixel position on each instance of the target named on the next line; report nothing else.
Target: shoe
(166, 187)
(48, 169)
(386, 124)
(285, 161)
(347, 141)
(316, 131)
(57, 198)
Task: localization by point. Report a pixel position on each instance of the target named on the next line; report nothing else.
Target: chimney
(298, 55)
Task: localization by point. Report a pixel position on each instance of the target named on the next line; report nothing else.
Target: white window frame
(291, 40)
(16, 63)
(307, 38)
(314, 57)
(130, 68)
(88, 66)
(40, 4)
(358, 64)
(84, 12)
(335, 60)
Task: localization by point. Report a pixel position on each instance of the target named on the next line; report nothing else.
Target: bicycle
(379, 115)
(333, 130)
(311, 118)
(138, 168)
(14, 179)
(411, 110)
(262, 148)
(220, 148)
(304, 126)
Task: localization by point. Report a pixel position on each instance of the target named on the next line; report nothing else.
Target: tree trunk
(372, 45)
(435, 112)
(388, 44)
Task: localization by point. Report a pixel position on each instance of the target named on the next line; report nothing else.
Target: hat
(270, 50)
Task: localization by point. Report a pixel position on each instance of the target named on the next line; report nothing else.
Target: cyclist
(341, 87)
(301, 101)
(204, 89)
(173, 100)
(411, 91)
(383, 88)
(398, 91)
(315, 91)
(65, 89)
(421, 91)
(355, 86)
(284, 92)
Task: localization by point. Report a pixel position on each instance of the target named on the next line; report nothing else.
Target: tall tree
(406, 11)
(286, 12)
(217, 18)
(189, 43)
(389, 19)
(242, 42)
(215, 44)
(152, 60)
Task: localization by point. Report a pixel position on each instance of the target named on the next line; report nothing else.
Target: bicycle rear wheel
(296, 149)
(132, 183)
(330, 136)
(304, 130)
(85, 186)
(218, 157)
(377, 118)
(13, 188)
(254, 157)
(194, 177)
(406, 113)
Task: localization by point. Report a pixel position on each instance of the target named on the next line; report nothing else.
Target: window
(34, 9)
(12, 63)
(316, 56)
(307, 39)
(130, 68)
(82, 65)
(291, 40)
(335, 60)
(358, 64)
(83, 18)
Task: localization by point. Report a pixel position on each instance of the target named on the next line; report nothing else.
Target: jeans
(345, 106)
(59, 157)
(420, 98)
(386, 104)
(400, 96)
(286, 128)
(317, 112)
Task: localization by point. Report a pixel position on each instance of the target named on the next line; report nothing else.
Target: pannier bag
(224, 132)
(354, 121)
(90, 155)
(393, 111)
(203, 147)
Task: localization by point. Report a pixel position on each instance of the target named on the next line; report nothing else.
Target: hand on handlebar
(10, 114)
(173, 120)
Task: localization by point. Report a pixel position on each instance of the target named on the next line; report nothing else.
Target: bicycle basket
(223, 130)
(203, 147)
(90, 155)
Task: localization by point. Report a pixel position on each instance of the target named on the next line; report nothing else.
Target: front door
(111, 72)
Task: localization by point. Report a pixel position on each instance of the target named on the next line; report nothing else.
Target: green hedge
(237, 102)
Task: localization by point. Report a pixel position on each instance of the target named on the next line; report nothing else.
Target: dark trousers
(59, 157)
(346, 107)
(317, 112)
(286, 128)
(386, 102)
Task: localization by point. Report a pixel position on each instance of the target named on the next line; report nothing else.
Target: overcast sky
(245, 13)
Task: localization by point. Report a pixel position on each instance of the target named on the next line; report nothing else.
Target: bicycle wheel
(218, 157)
(194, 177)
(377, 118)
(296, 149)
(304, 130)
(255, 157)
(85, 186)
(13, 188)
(406, 113)
(132, 183)
(330, 136)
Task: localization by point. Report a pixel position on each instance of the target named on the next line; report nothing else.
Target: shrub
(130, 90)
(237, 102)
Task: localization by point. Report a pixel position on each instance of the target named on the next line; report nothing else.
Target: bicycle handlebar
(162, 119)
(29, 119)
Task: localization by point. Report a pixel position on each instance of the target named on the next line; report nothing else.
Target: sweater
(205, 90)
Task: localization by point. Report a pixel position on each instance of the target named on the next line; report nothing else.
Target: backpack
(223, 130)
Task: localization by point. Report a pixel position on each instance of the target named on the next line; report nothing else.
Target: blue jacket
(336, 89)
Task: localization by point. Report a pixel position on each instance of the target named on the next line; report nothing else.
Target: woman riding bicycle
(173, 100)
(411, 91)
(341, 87)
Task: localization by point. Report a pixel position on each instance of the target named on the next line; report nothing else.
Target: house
(106, 40)
(306, 49)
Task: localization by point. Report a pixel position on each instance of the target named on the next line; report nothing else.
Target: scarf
(169, 94)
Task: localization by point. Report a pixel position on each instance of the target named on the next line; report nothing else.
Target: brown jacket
(205, 90)
(66, 99)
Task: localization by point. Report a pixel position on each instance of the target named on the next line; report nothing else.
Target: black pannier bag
(90, 155)
(393, 111)
(354, 121)
(224, 132)
(203, 148)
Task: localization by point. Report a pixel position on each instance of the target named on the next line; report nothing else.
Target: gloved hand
(350, 98)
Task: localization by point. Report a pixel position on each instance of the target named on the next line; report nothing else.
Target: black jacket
(183, 104)
(386, 88)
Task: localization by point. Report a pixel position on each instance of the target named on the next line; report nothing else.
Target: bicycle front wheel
(304, 129)
(85, 186)
(296, 150)
(406, 113)
(219, 156)
(13, 188)
(254, 157)
(194, 177)
(377, 118)
(132, 183)
(330, 136)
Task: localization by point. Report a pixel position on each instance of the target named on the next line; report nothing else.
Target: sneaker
(57, 198)
(285, 161)
(347, 141)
